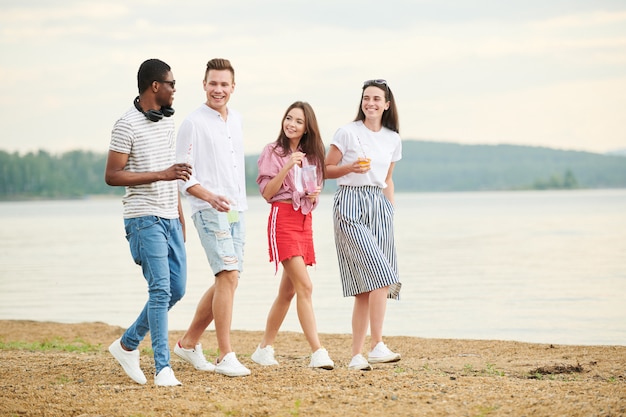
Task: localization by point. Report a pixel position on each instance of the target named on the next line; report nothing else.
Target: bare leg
(201, 320)
(360, 321)
(279, 310)
(216, 303)
(296, 270)
(377, 308)
(223, 299)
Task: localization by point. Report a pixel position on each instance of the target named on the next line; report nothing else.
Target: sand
(436, 377)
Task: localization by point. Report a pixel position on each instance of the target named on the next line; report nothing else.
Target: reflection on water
(545, 267)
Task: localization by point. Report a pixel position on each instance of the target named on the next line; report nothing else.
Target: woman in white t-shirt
(361, 157)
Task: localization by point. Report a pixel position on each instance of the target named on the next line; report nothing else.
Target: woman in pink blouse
(284, 170)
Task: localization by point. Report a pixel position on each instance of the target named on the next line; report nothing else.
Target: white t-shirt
(355, 141)
(214, 148)
(150, 147)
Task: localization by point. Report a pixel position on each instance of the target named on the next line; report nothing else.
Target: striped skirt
(363, 219)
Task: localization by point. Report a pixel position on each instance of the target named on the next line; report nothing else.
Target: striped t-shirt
(150, 146)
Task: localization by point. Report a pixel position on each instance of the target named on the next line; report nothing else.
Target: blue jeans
(157, 245)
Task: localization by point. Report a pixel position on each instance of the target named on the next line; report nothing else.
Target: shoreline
(331, 334)
(435, 377)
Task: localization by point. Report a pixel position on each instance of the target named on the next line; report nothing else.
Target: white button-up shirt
(214, 148)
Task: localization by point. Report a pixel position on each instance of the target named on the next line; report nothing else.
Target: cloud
(50, 23)
(582, 20)
(592, 109)
(452, 65)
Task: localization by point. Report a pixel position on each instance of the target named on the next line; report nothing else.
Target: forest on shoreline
(425, 166)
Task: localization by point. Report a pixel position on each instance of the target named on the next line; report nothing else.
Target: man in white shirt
(210, 139)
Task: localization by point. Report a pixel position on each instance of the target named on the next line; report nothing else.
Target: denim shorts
(222, 241)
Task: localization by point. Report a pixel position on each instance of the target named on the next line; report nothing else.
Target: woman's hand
(295, 159)
(312, 196)
(361, 165)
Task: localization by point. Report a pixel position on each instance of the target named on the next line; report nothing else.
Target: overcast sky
(532, 72)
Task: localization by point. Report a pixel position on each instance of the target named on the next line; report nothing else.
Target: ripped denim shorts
(222, 240)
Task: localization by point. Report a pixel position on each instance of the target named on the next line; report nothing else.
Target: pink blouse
(270, 163)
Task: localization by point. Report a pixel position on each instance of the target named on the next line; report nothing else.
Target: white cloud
(26, 14)
(582, 20)
(49, 23)
(585, 112)
(459, 73)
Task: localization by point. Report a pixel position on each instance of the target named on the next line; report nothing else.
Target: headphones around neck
(154, 115)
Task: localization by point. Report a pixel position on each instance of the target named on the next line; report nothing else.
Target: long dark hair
(310, 142)
(390, 116)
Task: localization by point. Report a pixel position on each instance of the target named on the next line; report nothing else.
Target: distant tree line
(425, 166)
(566, 182)
(437, 166)
(73, 174)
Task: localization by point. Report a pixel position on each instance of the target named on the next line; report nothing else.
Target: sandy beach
(54, 369)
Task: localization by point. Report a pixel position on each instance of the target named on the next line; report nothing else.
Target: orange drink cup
(364, 162)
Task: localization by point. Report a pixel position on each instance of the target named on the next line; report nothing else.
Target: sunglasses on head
(377, 82)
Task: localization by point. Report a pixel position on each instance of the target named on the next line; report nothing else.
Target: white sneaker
(166, 378)
(230, 366)
(129, 361)
(194, 357)
(382, 354)
(320, 359)
(359, 363)
(264, 356)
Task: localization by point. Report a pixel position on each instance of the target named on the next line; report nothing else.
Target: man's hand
(181, 171)
(219, 202)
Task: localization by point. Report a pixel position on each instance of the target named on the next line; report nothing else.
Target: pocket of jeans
(146, 222)
(133, 230)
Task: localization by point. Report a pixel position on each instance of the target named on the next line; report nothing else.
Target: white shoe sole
(232, 373)
(361, 367)
(385, 359)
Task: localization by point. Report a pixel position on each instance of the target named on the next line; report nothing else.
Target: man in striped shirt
(142, 156)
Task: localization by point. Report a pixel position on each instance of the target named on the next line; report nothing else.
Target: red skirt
(290, 233)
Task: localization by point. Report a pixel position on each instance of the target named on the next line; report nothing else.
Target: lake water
(546, 267)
